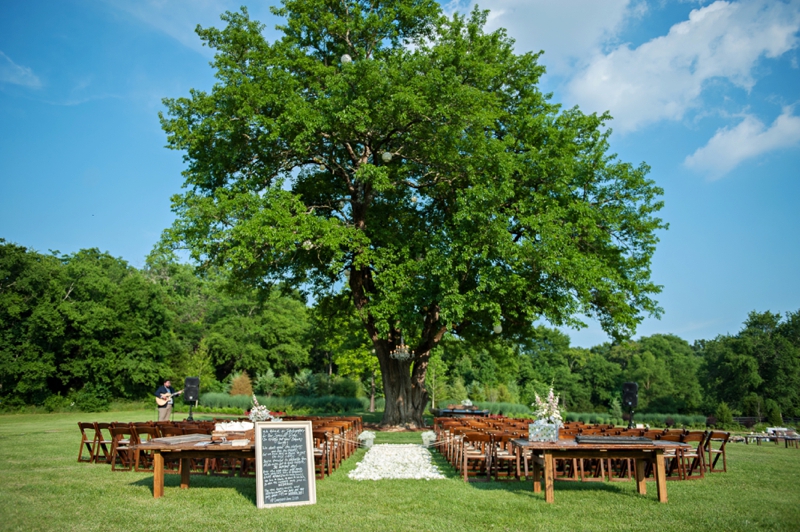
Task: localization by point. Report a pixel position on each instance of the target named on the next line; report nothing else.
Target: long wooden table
(546, 453)
(185, 448)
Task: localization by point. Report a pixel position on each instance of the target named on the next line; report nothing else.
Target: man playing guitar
(164, 395)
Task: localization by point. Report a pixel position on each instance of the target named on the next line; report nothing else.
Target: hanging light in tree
(346, 59)
(386, 156)
(401, 353)
(498, 329)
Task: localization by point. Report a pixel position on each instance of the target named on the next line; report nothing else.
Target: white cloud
(729, 147)
(567, 30)
(10, 72)
(663, 78)
(179, 18)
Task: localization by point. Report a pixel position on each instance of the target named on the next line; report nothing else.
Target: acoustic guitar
(165, 397)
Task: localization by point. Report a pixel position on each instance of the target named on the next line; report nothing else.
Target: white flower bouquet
(548, 419)
(548, 410)
(466, 403)
(428, 438)
(259, 412)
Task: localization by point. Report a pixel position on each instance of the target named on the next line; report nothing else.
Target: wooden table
(185, 448)
(546, 453)
(759, 438)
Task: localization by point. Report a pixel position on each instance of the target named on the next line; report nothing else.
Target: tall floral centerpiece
(548, 419)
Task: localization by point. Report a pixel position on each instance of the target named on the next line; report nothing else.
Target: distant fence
(749, 421)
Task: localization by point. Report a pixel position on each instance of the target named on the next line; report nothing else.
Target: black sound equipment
(630, 395)
(191, 389)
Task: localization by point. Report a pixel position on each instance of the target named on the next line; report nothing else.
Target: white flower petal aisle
(393, 461)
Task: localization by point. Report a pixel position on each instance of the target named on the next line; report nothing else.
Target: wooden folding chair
(694, 456)
(322, 453)
(143, 460)
(121, 453)
(476, 455)
(88, 441)
(103, 436)
(674, 460)
(503, 459)
(721, 438)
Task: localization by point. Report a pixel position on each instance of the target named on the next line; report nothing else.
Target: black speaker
(191, 389)
(630, 395)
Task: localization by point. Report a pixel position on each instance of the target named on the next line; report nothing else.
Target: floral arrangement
(428, 438)
(547, 410)
(366, 435)
(466, 402)
(548, 419)
(366, 438)
(259, 412)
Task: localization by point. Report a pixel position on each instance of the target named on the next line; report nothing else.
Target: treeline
(86, 327)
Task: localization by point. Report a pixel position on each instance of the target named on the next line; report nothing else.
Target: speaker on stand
(630, 398)
(191, 393)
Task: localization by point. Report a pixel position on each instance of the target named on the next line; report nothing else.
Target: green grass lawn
(43, 487)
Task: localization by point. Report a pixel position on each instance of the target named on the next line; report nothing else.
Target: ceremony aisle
(396, 461)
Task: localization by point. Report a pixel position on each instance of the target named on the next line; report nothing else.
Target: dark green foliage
(328, 404)
(507, 409)
(761, 362)
(80, 330)
(344, 387)
(723, 414)
(654, 420)
(85, 325)
(773, 413)
(380, 403)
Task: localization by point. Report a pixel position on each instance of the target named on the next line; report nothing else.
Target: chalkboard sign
(285, 464)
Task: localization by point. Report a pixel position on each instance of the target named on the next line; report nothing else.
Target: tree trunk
(372, 392)
(404, 389)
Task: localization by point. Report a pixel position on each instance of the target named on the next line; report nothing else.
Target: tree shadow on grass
(525, 487)
(245, 486)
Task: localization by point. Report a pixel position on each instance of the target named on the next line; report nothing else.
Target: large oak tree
(410, 160)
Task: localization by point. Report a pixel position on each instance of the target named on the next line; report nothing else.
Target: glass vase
(543, 431)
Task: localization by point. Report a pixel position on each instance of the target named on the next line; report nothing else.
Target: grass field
(43, 487)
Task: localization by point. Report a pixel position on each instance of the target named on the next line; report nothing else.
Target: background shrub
(773, 413)
(295, 405)
(91, 398)
(503, 408)
(380, 403)
(241, 385)
(724, 415)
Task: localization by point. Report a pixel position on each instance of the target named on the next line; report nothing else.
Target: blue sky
(707, 93)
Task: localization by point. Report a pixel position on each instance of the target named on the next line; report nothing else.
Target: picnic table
(546, 453)
(186, 448)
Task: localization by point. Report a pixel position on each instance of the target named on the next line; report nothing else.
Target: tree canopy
(409, 159)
